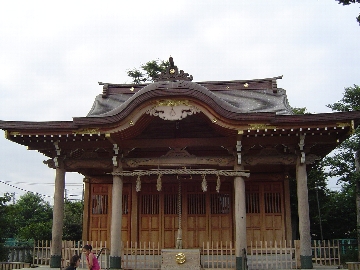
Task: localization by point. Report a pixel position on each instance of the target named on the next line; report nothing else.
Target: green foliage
(332, 213)
(136, 75)
(73, 211)
(342, 164)
(32, 217)
(340, 214)
(148, 71)
(4, 224)
(349, 102)
(348, 2)
(299, 110)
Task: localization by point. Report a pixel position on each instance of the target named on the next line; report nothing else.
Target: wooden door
(149, 214)
(208, 215)
(221, 222)
(100, 212)
(196, 225)
(170, 214)
(205, 216)
(265, 212)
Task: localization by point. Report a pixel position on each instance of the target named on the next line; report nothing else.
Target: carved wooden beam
(178, 161)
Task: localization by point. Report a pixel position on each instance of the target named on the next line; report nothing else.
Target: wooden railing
(353, 265)
(41, 253)
(218, 255)
(272, 255)
(326, 252)
(20, 253)
(141, 255)
(13, 265)
(221, 255)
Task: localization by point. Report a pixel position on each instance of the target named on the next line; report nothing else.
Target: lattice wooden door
(205, 216)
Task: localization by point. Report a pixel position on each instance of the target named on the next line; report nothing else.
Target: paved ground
(46, 267)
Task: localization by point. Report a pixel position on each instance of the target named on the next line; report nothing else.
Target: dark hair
(87, 247)
(74, 260)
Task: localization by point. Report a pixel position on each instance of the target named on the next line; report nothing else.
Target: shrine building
(179, 163)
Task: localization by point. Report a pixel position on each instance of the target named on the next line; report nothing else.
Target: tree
(148, 71)
(343, 164)
(73, 211)
(32, 217)
(348, 2)
(4, 224)
(302, 110)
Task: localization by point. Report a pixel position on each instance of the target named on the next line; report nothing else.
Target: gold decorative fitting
(342, 124)
(240, 132)
(260, 126)
(132, 89)
(246, 85)
(172, 103)
(172, 73)
(214, 120)
(131, 123)
(87, 131)
(180, 258)
(14, 133)
(352, 129)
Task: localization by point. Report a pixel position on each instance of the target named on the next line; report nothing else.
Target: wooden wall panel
(265, 211)
(206, 216)
(100, 212)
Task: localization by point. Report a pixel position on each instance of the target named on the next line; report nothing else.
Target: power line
(25, 189)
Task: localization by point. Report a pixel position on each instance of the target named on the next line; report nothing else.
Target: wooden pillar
(58, 218)
(116, 219)
(357, 166)
(240, 219)
(287, 208)
(304, 218)
(86, 211)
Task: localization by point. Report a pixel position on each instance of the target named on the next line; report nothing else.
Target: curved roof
(227, 98)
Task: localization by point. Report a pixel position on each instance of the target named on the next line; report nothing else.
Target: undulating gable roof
(251, 96)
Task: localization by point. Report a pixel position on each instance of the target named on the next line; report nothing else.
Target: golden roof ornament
(173, 74)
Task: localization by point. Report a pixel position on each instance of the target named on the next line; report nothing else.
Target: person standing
(92, 262)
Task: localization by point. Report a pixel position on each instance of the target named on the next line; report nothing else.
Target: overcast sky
(53, 54)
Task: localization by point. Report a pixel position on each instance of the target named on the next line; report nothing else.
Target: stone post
(116, 220)
(304, 218)
(240, 219)
(58, 218)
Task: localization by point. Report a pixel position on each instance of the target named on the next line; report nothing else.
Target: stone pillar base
(115, 262)
(306, 262)
(55, 261)
(180, 259)
(240, 263)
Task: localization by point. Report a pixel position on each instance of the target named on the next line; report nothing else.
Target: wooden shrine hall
(179, 163)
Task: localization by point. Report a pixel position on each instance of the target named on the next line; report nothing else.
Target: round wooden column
(116, 220)
(240, 219)
(58, 218)
(304, 218)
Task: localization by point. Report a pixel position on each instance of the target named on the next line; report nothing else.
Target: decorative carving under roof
(173, 109)
(173, 74)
